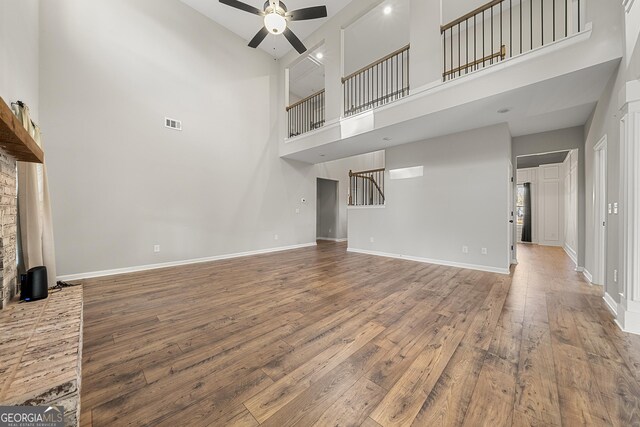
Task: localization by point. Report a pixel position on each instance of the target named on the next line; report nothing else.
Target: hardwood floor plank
(319, 336)
(403, 402)
(354, 406)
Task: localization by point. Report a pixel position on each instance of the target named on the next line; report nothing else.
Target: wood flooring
(322, 337)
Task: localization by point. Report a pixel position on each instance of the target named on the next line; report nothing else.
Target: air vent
(172, 124)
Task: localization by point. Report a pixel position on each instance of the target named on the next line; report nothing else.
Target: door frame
(600, 212)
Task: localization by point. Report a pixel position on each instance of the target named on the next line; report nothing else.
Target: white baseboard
(611, 304)
(116, 271)
(572, 254)
(587, 275)
(433, 261)
(331, 239)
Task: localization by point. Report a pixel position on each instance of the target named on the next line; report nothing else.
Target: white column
(629, 308)
(426, 54)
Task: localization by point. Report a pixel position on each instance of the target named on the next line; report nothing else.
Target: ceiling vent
(172, 124)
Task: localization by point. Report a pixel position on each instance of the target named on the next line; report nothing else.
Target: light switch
(615, 208)
(610, 209)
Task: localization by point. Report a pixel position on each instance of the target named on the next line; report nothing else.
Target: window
(520, 205)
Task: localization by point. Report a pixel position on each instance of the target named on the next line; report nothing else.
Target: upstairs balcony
(535, 64)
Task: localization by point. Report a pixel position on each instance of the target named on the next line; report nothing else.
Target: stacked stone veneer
(8, 229)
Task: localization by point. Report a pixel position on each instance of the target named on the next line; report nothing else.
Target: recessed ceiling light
(321, 155)
(387, 10)
(319, 55)
(386, 138)
(504, 110)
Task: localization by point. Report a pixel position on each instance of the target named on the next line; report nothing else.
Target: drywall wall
(19, 52)
(18, 81)
(606, 121)
(461, 200)
(327, 209)
(376, 34)
(559, 140)
(338, 170)
(111, 71)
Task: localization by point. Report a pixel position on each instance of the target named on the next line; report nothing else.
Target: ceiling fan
(276, 17)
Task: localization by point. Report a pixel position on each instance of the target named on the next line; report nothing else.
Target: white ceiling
(246, 25)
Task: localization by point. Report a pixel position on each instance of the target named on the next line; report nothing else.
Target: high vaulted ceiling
(247, 25)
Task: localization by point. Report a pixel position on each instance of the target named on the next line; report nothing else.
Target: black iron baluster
(484, 30)
(475, 42)
(459, 61)
(542, 22)
(579, 17)
(492, 43)
(466, 47)
(554, 19)
(531, 19)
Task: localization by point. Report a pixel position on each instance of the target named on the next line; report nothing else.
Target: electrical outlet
(484, 251)
(371, 239)
(156, 248)
(465, 249)
(615, 276)
(297, 210)
(276, 237)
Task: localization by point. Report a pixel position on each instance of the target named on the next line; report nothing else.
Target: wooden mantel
(14, 138)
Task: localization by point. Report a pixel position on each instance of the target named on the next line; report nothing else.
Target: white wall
(111, 70)
(339, 170)
(19, 53)
(460, 201)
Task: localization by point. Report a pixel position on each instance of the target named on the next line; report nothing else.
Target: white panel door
(551, 206)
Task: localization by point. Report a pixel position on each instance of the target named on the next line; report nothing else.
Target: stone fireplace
(9, 286)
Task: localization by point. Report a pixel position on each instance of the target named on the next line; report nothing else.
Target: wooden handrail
(302, 101)
(469, 15)
(369, 171)
(378, 62)
(501, 55)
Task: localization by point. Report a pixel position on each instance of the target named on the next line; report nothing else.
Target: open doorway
(547, 200)
(327, 210)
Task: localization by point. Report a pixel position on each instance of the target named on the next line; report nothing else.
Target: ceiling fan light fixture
(275, 23)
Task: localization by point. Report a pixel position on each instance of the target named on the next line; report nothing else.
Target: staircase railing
(505, 28)
(379, 83)
(307, 114)
(366, 188)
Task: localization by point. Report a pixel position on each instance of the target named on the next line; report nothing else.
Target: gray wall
(563, 139)
(327, 209)
(606, 121)
(19, 52)
(111, 70)
(460, 201)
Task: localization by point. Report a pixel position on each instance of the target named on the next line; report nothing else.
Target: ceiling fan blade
(258, 38)
(243, 6)
(294, 40)
(308, 13)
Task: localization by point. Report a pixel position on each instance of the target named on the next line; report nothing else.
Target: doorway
(327, 209)
(600, 213)
(547, 200)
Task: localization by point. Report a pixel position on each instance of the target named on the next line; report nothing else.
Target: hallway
(323, 337)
